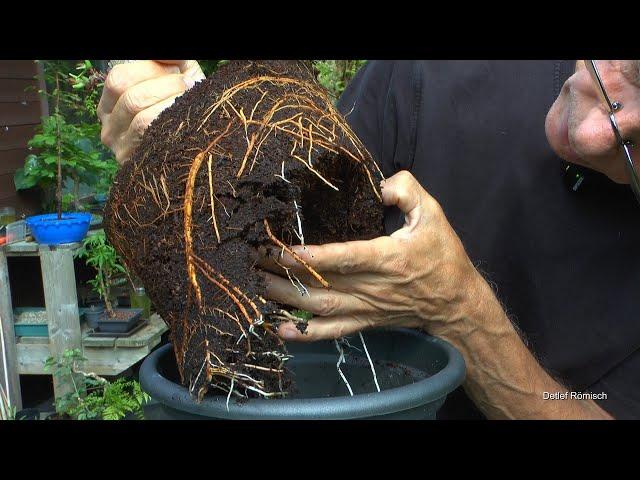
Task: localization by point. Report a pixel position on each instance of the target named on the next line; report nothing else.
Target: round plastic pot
(416, 372)
(48, 230)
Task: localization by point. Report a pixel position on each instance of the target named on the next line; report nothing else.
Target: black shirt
(565, 264)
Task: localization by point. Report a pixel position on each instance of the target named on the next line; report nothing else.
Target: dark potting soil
(229, 142)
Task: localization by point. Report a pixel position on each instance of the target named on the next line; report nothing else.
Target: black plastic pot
(117, 325)
(415, 372)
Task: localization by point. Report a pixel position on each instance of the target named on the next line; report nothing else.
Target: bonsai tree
(68, 141)
(100, 255)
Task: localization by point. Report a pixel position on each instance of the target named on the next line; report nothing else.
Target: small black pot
(94, 314)
(416, 372)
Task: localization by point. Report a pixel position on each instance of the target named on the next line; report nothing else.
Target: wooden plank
(22, 249)
(31, 358)
(18, 89)
(16, 136)
(102, 361)
(18, 68)
(11, 160)
(61, 300)
(20, 113)
(7, 187)
(9, 367)
(99, 342)
(143, 337)
(18, 249)
(34, 340)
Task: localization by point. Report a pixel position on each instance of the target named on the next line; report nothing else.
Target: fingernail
(188, 82)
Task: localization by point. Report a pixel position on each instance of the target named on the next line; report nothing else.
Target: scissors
(615, 107)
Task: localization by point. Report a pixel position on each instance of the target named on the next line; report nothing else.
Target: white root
(373, 370)
(342, 360)
(299, 233)
(198, 376)
(348, 344)
(259, 321)
(233, 379)
(299, 286)
(282, 174)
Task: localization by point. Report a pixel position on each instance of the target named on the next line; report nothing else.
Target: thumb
(403, 191)
(190, 68)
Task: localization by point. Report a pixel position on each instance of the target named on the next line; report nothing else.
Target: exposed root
(188, 207)
(373, 370)
(213, 208)
(298, 285)
(308, 267)
(340, 361)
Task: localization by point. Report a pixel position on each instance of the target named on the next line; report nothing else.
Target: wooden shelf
(105, 355)
(32, 249)
(26, 355)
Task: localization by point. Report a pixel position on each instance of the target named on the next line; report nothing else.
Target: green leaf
(22, 181)
(302, 314)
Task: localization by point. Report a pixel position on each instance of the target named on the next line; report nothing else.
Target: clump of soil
(231, 167)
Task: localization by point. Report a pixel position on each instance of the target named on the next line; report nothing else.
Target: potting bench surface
(105, 355)
(26, 355)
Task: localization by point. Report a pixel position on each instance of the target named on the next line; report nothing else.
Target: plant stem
(59, 149)
(76, 192)
(106, 290)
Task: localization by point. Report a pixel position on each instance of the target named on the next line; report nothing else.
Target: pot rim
(67, 218)
(390, 401)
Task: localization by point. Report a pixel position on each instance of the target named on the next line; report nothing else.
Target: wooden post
(8, 351)
(61, 300)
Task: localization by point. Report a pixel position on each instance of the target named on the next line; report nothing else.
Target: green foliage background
(72, 132)
(74, 127)
(334, 75)
(94, 397)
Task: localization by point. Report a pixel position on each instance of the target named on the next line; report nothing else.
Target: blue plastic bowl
(48, 230)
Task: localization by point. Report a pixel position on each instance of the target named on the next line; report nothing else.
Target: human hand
(420, 276)
(134, 95)
(578, 127)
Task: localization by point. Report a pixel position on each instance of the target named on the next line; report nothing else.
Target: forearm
(503, 378)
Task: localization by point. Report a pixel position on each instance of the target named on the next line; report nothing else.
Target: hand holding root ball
(420, 276)
(135, 94)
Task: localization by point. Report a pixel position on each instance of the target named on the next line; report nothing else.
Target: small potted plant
(100, 255)
(67, 151)
(54, 229)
